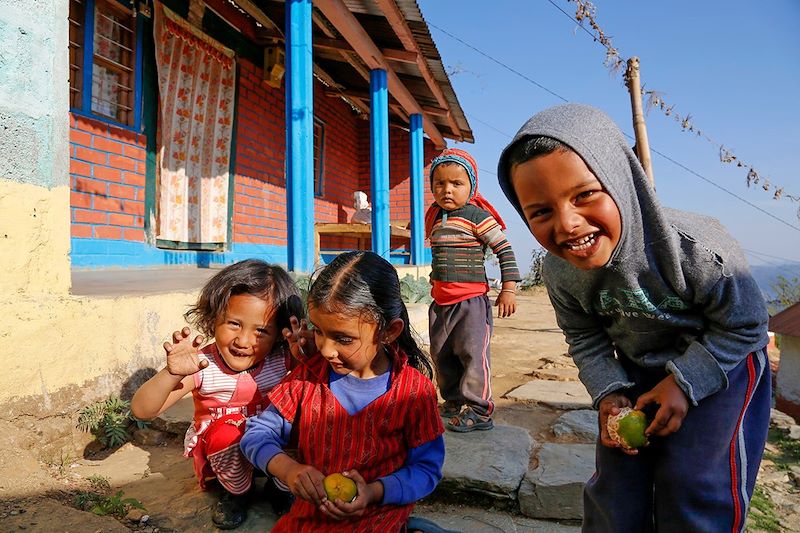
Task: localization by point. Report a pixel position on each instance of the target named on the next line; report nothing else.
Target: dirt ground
(38, 493)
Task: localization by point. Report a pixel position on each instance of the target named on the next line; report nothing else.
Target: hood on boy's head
(598, 141)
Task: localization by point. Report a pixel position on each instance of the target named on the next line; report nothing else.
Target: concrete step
(554, 490)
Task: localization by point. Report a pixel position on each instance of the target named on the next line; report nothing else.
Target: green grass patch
(763, 516)
(788, 453)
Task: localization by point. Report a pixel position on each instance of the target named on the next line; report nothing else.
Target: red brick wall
(107, 169)
(259, 203)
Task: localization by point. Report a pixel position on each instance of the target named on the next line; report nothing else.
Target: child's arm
(736, 325)
(491, 234)
(590, 348)
(174, 381)
(263, 442)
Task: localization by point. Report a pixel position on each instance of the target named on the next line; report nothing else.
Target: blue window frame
(105, 68)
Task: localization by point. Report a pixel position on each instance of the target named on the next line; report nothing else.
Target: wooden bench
(361, 232)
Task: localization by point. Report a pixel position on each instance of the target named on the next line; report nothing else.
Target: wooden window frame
(84, 60)
(319, 157)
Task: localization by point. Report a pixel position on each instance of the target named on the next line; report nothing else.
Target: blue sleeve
(418, 476)
(264, 437)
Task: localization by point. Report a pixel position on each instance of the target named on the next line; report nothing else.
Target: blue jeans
(699, 479)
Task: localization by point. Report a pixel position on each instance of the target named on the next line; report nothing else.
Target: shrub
(109, 421)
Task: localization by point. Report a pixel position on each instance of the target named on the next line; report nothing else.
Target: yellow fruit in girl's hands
(341, 487)
(627, 428)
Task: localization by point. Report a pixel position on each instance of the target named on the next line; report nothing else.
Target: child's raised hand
(673, 406)
(340, 510)
(305, 482)
(182, 354)
(611, 404)
(299, 338)
(506, 304)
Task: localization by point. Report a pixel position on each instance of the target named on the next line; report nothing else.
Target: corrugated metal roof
(787, 322)
(347, 69)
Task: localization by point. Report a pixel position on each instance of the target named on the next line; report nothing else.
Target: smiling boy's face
(567, 209)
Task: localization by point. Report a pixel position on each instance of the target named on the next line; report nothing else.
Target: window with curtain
(103, 61)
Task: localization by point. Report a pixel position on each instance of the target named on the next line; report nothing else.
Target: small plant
(109, 420)
(99, 484)
(104, 505)
(534, 277)
(415, 290)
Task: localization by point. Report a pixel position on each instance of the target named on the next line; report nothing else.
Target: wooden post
(639, 127)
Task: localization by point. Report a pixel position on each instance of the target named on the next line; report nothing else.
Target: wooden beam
(392, 54)
(435, 111)
(398, 22)
(346, 24)
(398, 109)
(254, 11)
(401, 56)
(347, 55)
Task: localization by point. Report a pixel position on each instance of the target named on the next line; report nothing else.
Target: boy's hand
(299, 338)
(305, 482)
(366, 495)
(673, 407)
(611, 404)
(182, 354)
(506, 304)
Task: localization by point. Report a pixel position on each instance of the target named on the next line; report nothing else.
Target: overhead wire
(665, 156)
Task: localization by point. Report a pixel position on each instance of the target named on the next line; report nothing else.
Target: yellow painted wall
(51, 339)
(34, 239)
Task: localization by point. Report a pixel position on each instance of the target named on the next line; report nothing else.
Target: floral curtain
(196, 79)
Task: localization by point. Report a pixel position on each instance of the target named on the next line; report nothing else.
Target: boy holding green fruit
(658, 307)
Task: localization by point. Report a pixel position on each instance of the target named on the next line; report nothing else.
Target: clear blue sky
(734, 66)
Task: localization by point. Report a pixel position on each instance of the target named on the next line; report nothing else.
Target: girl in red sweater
(361, 404)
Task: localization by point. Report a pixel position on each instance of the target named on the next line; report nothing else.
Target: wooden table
(362, 232)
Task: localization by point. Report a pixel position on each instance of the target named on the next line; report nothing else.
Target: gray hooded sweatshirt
(676, 294)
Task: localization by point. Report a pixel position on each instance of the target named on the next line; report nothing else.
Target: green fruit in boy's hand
(627, 428)
(341, 487)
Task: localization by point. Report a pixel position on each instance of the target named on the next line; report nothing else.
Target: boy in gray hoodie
(659, 309)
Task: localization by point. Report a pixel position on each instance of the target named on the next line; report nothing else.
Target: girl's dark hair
(358, 283)
(533, 146)
(251, 276)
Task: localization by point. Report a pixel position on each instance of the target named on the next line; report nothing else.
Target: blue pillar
(379, 161)
(299, 136)
(417, 191)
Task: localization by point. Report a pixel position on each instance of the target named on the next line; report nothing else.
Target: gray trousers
(460, 335)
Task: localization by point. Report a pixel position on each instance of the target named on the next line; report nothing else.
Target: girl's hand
(611, 404)
(305, 482)
(300, 338)
(673, 407)
(506, 304)
(182, 354)
(366, 495)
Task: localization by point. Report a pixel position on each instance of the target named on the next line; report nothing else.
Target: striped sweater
(458, 241)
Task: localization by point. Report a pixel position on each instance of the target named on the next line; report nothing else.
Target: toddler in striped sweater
(461, 225)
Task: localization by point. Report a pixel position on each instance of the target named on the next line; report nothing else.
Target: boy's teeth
(582, 243)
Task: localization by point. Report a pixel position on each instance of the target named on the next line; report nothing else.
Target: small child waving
(461, 224)
(361, 405)
(658, 307)
(244, 307)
